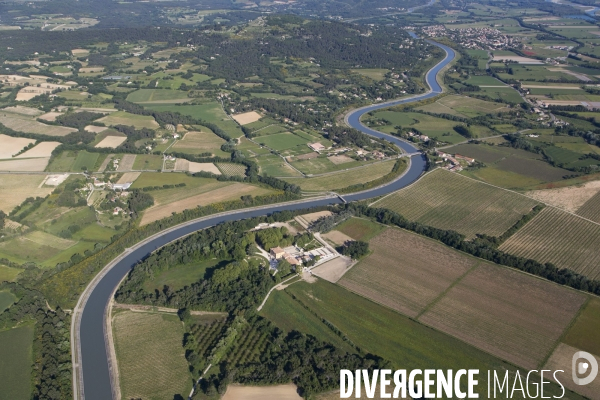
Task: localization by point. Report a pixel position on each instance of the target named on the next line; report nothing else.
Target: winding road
(91, 351)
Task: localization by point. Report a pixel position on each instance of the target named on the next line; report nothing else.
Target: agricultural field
(281, 141)
(142, 162)
(341, 180)
(7, 299)
(21, 123)
(232, 169)
(401, 340)
(569, 198)
(450, 201)
(150, 355)
(15, 363)
(24, 165)
(9, 274)
(591, 209)
(14, 189)
(200, 142)
(111, 141)
(247, 118)
(177, 277)
(274, 165)
(157, 96)
(584, 334)
(406, 272)
(125, 118)
(360, 229)
(280, 392)
(43, 149)
(12, 145)
(563, 239)
(463, 106)
(312, 164)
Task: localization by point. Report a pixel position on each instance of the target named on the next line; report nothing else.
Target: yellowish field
(47, 239)
(95, 129)
(247, 118)
(129, 177)
(185, 165)
(14, 189)
(89, 70)
(44, 149)
(406, 272)
(279, 392)
(226, 193)
(23, 110)
(337, 237)
(150, 355)
(518, 317)
(124, 118)
(12, 145)
(307, 219)
(341, 180)
(111, 141)
(24, 124)
(561, 359)
(25, 165)
(51, 116)
(126, 163)
(560, 238)
(569, 198)
(198, 142)
(342, 159)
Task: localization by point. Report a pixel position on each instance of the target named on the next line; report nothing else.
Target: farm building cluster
(454, 163)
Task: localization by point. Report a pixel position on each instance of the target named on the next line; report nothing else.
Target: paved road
(91, 373)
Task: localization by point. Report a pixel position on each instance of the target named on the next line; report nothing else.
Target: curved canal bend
(91, 372)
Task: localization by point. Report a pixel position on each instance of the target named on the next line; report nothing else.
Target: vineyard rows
(232, 169)
(447, 200)
(248, 346)
(560, 238)
(591, 209)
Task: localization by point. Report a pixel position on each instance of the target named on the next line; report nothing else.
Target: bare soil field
(55, 180)
(342, 159)
(229, 192)
(111, 141)
(14, 189)
(337, 237)
(185, 165)
(447, 200)
(509, 314)
(562, 359)
(333, 270)
(279, 392)
(25, 165)
(307, 156)
(77, 52)
(129, 177)
(560, 238)
(126, 162)
(51, 116)
(591, 208)
(247, 118)
(97, 129)
(307, 219)
(12, 145)
(24, 124)
(406, 272)
(44, 149)
(569, 198)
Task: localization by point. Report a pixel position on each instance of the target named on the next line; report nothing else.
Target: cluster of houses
(423, 138)
(475, 38)
(453, 162)
(114, 186)
(297, 256)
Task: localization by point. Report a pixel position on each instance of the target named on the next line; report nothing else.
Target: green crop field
(7, 299)
(484, 81)
(15, 363)
(150, 355)
(447, 200)
(281, 141)
(9, 274)
(179, 276)
(377, 74)
(85, 161)
(200, 142)
(157, 95)
(125, 118)
(584, 334)
(464, 106)
(399, 339)
(341, 180)
(274, 165)
(289, 315)
(360, 229)
(560, 238)
(507, 94)
(147, 162)
(62, 162)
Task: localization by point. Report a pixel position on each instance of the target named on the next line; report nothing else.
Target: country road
(92, 362)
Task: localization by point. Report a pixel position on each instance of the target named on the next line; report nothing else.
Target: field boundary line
(445, 292)
(529, 197)
(405, 187)
(564, 333)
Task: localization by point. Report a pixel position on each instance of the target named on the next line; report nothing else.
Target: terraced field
(560, 238)
(447, 200)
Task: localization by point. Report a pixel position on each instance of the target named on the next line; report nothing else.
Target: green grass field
(9, 274)
(62, 162)
(484, 80)
(148, 162)
(281, 141)
(7, 299)
(273, 165)
(341, 180)
(157, 95)
(15, 363)
(584, 334)
(507, 94)
(447, 200)
(85, 161)
(399, 339)
(289, 315)
(360, 229)
(125, 118)
(182, 275)
(150, 355)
